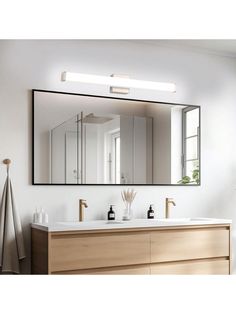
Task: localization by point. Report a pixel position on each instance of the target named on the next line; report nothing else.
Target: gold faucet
(168, 202)
(82, 204)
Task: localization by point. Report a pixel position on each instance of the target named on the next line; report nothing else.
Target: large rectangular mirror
(85, 139)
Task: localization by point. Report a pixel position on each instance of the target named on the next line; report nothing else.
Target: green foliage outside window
(194, 179)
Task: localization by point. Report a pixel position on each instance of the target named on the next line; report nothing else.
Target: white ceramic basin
(131, 223)
(169, 220)
(89, 223)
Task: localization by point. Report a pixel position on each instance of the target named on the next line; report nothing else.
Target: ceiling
(225, 47)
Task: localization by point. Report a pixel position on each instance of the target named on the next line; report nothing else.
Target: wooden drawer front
(139, 270)
(122, 270)
(202, 267)
(174, 245)
(82, 252)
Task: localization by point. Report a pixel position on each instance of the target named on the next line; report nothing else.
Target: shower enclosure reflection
(97, 148)
(96, 140)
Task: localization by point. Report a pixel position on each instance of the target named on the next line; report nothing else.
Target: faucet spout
(82, 205)
(167, 208)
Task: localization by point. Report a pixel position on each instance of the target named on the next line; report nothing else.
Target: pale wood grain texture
(122, 270)
(81, 252)
(174, 250)
(197, 267)
(189, 244)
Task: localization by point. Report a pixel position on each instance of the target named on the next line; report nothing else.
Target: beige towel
(12, 248)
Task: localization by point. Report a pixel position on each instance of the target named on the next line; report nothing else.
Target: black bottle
(111, 213)
(150, 213)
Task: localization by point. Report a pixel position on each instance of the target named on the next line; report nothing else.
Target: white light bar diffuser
(117, 81)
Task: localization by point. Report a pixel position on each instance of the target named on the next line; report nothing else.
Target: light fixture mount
(117, 89)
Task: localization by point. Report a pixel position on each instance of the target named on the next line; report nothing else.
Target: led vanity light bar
(117, 81)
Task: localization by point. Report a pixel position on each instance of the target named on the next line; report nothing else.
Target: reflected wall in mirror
(83, 139)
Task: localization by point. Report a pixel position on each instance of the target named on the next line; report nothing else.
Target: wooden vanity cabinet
(173, 250)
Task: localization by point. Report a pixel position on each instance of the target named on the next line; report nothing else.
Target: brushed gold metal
(82, 205)
(167, 209)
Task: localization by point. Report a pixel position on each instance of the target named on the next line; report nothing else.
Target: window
(190, 161)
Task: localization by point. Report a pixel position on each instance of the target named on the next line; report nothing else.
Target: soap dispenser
(150, 213)
(111, 213)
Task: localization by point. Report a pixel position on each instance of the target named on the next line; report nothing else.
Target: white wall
(142, 155)
(162, 139)
(205, 80)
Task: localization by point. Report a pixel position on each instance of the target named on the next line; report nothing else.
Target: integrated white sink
(91, 222)
(78, 223)
(135, 223)
(115, 222)
(169, 220)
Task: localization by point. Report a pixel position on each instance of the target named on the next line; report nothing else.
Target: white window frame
(184, 140)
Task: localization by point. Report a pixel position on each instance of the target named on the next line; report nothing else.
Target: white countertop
(135, 223)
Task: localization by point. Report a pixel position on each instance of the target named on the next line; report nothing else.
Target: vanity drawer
(120, 270)
(187, 244)
(133, 270)
(201, 267)
(74, 252)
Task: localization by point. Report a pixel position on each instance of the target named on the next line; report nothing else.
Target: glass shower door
(65, 152)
